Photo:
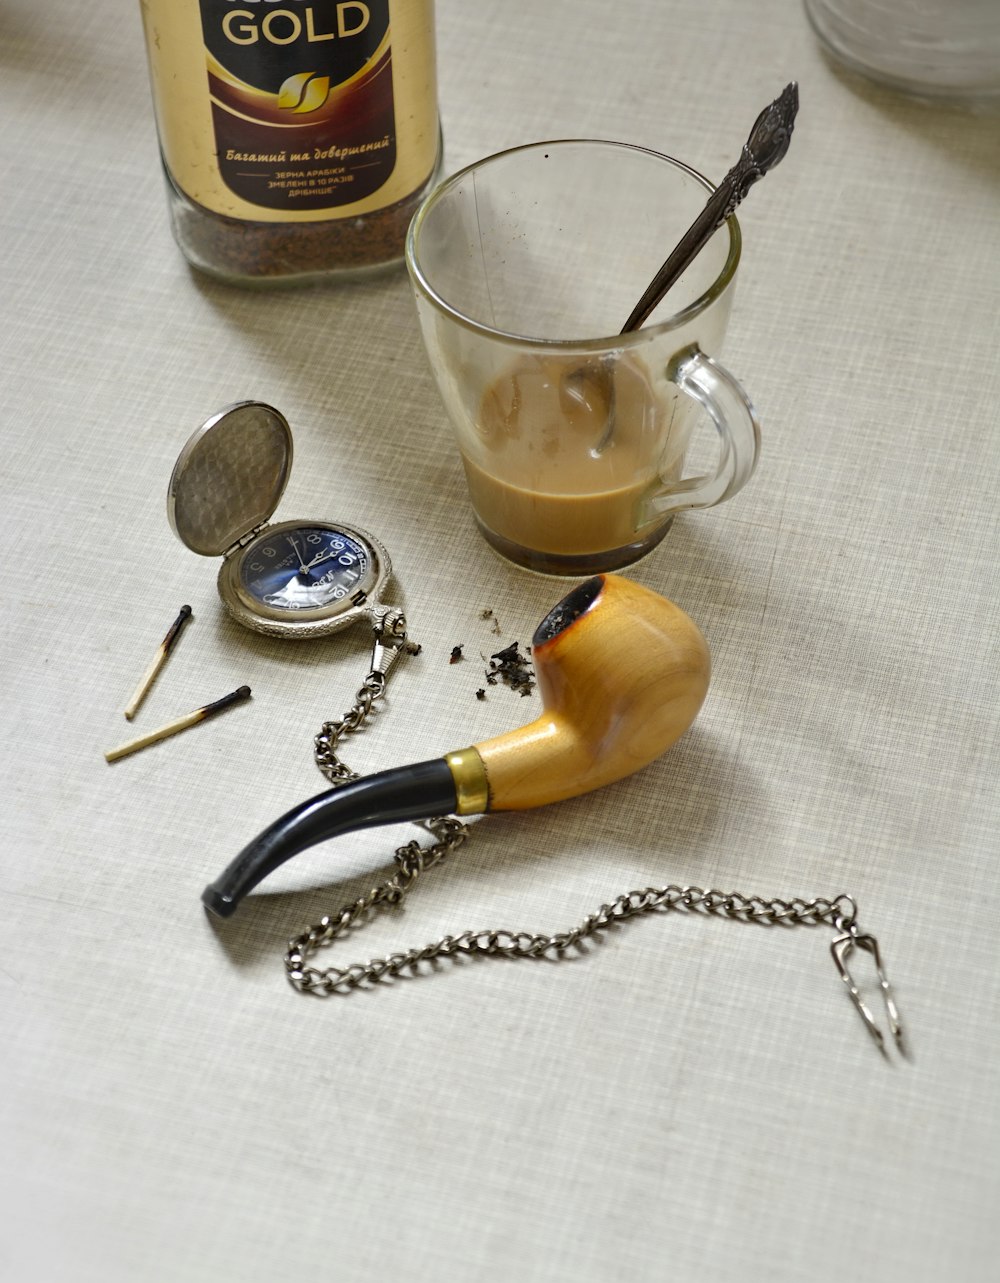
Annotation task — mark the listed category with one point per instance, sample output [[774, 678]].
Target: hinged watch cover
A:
[[230, 477]]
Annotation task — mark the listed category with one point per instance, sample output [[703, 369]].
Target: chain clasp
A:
[[841, 949], [389, 629]]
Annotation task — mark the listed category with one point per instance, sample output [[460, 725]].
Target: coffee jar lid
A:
[[230, 477]]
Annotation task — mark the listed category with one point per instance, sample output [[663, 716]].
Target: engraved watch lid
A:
[[229, 477]]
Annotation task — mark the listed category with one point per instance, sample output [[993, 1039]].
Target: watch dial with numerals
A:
[[304, 567]]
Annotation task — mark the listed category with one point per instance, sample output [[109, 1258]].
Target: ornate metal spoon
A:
[[766, 146], [769, 140]]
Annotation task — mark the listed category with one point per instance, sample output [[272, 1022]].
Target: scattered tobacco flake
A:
[[481, 693], [512, 668], [488, 614], [456, 655]]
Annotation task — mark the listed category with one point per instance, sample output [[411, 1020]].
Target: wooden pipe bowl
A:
[[620, 683]]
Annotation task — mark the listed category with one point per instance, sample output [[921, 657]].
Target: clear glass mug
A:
[[524, 267]]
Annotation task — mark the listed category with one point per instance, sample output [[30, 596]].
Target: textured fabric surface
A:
[[689, 1099]]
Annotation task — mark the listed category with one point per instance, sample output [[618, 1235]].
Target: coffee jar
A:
[[297, 136]]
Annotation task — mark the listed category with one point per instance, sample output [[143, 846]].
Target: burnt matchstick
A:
[[181, 724], [166, 646]]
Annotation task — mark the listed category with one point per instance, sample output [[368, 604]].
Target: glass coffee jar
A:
[[298, 136]]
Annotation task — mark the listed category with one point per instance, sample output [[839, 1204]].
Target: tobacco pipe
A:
[[622, 673]]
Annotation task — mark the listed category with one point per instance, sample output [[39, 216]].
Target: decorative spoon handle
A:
[[767, 144]]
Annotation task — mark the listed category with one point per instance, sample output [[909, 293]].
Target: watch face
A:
[[293, 568]]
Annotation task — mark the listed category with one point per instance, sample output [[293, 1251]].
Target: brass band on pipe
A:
[[472, 788]]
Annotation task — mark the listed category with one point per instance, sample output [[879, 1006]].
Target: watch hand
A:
[[322, 556], [295, 548]]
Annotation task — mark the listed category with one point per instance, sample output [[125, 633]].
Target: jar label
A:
[[278, 110], [302, 101]]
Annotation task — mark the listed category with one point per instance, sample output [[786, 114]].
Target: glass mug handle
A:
[[735, 420]]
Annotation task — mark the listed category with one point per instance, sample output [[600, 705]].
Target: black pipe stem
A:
[[404, 793]]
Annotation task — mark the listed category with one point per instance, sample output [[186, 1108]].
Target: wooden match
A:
[[166, 646], [181, 724]]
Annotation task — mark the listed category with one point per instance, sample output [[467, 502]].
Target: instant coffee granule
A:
[[238, 249]]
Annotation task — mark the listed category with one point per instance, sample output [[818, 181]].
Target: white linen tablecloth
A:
[[691, 1098]]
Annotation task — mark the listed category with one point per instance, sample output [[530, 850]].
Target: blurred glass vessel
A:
[[943, 49]]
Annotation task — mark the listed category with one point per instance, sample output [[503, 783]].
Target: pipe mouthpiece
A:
[[405, 793]]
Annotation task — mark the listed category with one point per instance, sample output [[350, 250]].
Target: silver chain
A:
[[325, 744], [412, 860], [839, 913], [389, 631]]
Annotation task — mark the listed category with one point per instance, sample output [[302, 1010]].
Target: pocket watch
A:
[[296, 579]]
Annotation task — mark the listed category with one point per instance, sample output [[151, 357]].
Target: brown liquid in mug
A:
[[536, 479]]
